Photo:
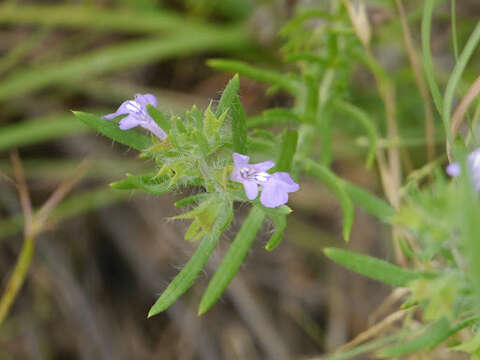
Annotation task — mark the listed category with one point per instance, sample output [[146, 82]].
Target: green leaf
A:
[[197, 117], [212, 123], [239, 127], [274, 116], [190, 199], [433, 335], [455, 76], [232, 260], [364, 119], [189, 273], [228, 96], [147, 183], [159, 117], [368, 347], [373, 268], [337, 186], [362, 198], [280, 222], [370, 203], [110, 129], [287, 151], [427, 54], [278, 79]]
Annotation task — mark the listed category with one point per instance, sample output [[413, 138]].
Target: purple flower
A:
[[275, 186], [473, 164], [138, 115], [275, 191]]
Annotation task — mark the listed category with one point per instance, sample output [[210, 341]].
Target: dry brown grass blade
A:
[[22, 189], [42, 215], [385, 306], [417, 72], [33, 225], [374, 330], [460, 111]]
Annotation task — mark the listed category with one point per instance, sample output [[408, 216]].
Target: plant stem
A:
[[18, 276]]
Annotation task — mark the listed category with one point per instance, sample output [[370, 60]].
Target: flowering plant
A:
[[434, 228]]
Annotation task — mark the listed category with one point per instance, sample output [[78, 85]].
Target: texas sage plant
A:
[[224, 158]]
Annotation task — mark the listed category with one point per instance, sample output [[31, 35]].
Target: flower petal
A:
[[251, 189], [273, 194], [155, 129], [453, 169], [263, 166], [128, 122], [122, 110], [240, 160], [147, 99], [287, 182]]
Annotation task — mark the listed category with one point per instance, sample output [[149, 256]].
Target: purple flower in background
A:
[[473, 164], [275, 186], [138, 115]]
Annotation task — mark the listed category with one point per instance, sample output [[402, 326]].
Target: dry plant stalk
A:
[[391, 170], [34, 224], [460, 111], [417, 72], [375, 329]]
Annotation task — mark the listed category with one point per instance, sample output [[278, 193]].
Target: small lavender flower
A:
[[275, 191], [275, 186], [473, 164], [138, 115]]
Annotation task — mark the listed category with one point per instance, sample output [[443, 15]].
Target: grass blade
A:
[[117, 57], [39, 130]]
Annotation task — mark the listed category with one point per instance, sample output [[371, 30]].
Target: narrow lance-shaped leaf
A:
[[239, 127], [367, 123], [159, 117], [337, 186], [190, 199], [287, 151], [433, 335], [147, 183], [232, 260], [367, 201], [280, 222], [228, 96], [374, 268], [189, 273], [273, 116], [110, 129], [280, 80]]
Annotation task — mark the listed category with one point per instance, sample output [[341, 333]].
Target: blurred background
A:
[[108, 254]]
